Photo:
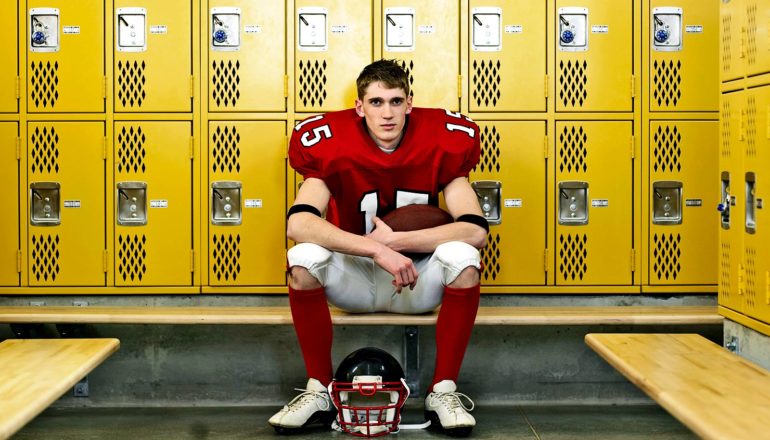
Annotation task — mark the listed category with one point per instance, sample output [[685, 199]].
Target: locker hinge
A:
[[192, 87], [633, 147], [286, 86], [459, 86], [192, 260], [633, 86], [104, 148], [286, 141], [545, 147], [633, 260], [192, 147], [741, 118], [546, 259], [18, 87], [18, 148], [18, 261], [104, 87], [545, 86], [105, 258]]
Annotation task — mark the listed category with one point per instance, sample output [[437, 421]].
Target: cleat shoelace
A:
[[452, 401], [308, 396]]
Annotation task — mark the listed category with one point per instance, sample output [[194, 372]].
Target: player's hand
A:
[[401, 267], [382, 233]]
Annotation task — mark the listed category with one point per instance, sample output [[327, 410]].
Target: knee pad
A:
[[454, 257], [312, 257]]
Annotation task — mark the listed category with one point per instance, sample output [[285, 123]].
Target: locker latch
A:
[[311, 29], [667, 29], [399, 29], [573, 203], [489, 193], [751, 203], [131, 29], [573, 29], [45, 208], [44, 30], [667, 202], [132, 203], [226, 203], [487, 29], [225, 29], [726, 201]]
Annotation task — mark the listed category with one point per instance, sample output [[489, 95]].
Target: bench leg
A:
[[412, 359]]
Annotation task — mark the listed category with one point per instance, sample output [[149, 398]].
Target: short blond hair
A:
[[388, 72]]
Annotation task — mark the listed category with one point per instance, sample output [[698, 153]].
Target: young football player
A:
[[358, 165]]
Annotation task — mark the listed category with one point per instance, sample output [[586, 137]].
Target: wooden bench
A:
[[488, 315], [36, 372], [715, 393]]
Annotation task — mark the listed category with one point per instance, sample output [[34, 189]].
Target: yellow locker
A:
[[594, 55], [594, 207], [153, 56], [755, 193], [684, 67], [153, 198], [732, 144], [9, 68], [731, 45], [247, 203], [239, 79], [507, 65], [757, 37], [683, 227], [509, 180], [9, 223], [65, 56], [333, 43], [425, 38], [66, 176]]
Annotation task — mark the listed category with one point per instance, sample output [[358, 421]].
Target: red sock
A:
[[453, 330], [313, 324]]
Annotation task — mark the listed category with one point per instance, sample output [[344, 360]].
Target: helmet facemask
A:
[[367, 406]]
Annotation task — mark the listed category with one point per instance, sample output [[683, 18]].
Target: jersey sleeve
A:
[[302, 159], [473, 152], [461, 140]]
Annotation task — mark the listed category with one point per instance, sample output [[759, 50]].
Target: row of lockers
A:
[[745, 39], [587, 54], [94, 212]]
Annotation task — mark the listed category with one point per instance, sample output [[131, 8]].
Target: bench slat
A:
[[36, 372], [488, 315], [713, 392]]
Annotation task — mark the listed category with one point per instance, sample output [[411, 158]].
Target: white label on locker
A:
[[73, 30], [253, 203], [600, 29], [339, 29], [600, 203], [252, 29], [512, 203], [158, 203], [693, 202], [159, 29], [694, 29], [514, 29], [427, 29], [72, 203]]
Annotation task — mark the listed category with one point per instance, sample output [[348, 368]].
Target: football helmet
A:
[[369, 391]]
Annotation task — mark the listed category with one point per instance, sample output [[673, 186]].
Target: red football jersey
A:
[[437, 147]]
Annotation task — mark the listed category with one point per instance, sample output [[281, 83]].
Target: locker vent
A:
[[131, 83], [131, 150], [312, 83], [226, 152], [751, 276], [573, 254], [225, 83], [751, 33], [727, 20], [131, 255], [226, 254], [486, 77], [45, 82], [751, 128], [490, 257], [573, 154], [666, 149], [573, 80], [666, 255], [724, 118], [666, 81], [45, 257], [724, 273], [409, 68], [45, 150], [490, 150]]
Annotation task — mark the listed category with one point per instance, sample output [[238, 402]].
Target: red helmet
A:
[[369, 392]]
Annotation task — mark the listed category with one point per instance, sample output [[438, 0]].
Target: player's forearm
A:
[[309, 228], [426, 240]]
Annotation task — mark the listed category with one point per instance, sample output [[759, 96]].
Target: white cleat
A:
[[313, 405], [445, 409]]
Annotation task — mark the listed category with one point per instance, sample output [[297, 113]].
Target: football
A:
[[416, 217]]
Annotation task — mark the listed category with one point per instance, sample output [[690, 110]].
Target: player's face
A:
[[385, 112]]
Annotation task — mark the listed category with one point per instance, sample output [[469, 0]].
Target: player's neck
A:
[[392, 145]]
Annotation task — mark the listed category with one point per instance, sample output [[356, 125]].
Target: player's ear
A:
[[408, 104], [360, 108]]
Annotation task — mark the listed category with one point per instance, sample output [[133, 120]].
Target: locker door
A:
[[153, 196], [9, 223], [66, 176], [683, 227], [153, 56], [594, 175], [425, 37], [65, 56], [757, 37], [732, 50], [512, 173], [247, 180], [239, 80], [9, 52]]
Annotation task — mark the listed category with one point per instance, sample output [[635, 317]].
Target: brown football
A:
[[416, 217]]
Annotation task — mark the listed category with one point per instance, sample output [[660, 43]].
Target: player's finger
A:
[[398, 282]]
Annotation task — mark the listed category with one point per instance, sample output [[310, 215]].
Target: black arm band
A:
[[475, 219], [303, 208]]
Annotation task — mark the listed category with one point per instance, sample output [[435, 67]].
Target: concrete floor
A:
[[230, 423]]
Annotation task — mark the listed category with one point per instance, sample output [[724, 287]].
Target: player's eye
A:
[[375, 102], [396, 101]]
